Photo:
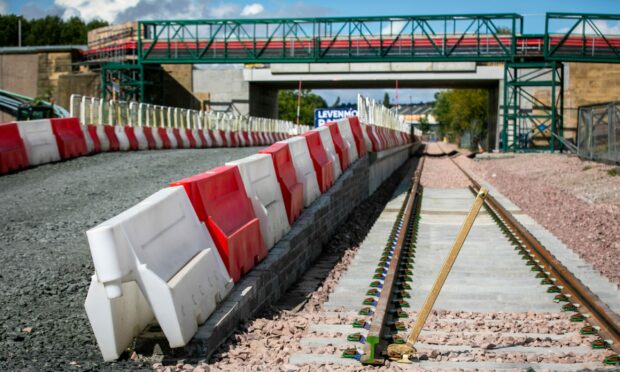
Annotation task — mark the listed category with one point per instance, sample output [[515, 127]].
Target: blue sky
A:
[[117, 11], [121, 10]]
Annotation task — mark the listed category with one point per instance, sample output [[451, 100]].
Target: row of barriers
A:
[[34, 142], [128, 127], [174, 256], [96, 111]]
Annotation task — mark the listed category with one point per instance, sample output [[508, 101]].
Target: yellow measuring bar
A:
[[401, 352]]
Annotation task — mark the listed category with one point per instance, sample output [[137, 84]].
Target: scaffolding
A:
[[533, 106]]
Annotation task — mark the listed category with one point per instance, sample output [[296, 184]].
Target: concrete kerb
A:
[[287, 261]]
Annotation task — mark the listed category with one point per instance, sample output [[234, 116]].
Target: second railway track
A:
[[507, 304]]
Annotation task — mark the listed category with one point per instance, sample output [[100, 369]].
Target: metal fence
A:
[[598, 132]]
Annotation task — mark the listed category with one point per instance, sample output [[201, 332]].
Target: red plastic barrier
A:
[[131, 136], [13, 154], [163, 134], [225, 139], [177, 136], [395, 140], [341, 149], [255, 139], [190, 137], [246, 138], [322, 165], [203, 140], [109, 132], [373, 139], [356, 128], [148, 134], [233, 141], [382, 138], [92, 132], [211, 135], [69, 137], [292, 191], [221, 202]]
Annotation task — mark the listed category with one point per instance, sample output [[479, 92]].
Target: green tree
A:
[[287, 106], [461, 110], [425, 126], [51, 30], [386, 100]]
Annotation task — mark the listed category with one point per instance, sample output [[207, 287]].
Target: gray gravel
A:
[[46, 265]]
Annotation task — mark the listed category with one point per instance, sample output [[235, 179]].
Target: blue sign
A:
[[323, 116]]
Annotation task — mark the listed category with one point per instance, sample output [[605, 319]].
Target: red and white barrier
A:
[[328, 144], [347, 137], [161, 246], [323, 166], [220, 201], [69, 137], [340, 145], [292, 190], [304, 170], [261, 184], [13, 155], [39, 141]]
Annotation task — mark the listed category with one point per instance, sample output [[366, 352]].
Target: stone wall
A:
[[589, 83]]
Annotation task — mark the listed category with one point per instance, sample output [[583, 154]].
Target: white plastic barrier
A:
[[219, 140], [304, 168], [208, 138], [90, 145], [143, 144], [162, 246], [103, 138], [39, 141], [328, 144], [198, 139], [347, 136], [159, 143], [172, 138], [367, 140], [261, 185], [123, 141], [184, 139]]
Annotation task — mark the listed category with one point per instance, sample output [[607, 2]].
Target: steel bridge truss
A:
[[582, 37], [533, 106], [479, 37], [533, 63]]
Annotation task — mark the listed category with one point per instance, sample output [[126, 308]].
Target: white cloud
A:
[[224, 10], [393, 28], [4, 7], [605, 27], [107, 10], [252, 10]]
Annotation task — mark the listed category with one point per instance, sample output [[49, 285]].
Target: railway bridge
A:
[[525, 72]]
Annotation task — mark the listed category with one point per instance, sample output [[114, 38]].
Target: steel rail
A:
[[375, 343], [598, 312]]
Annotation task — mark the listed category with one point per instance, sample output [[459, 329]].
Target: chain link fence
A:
[[598, 132]]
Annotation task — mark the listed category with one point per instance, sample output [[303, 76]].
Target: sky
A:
[[123, 10], [116, 11]]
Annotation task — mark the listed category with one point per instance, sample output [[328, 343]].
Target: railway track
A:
[[508, 302]]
